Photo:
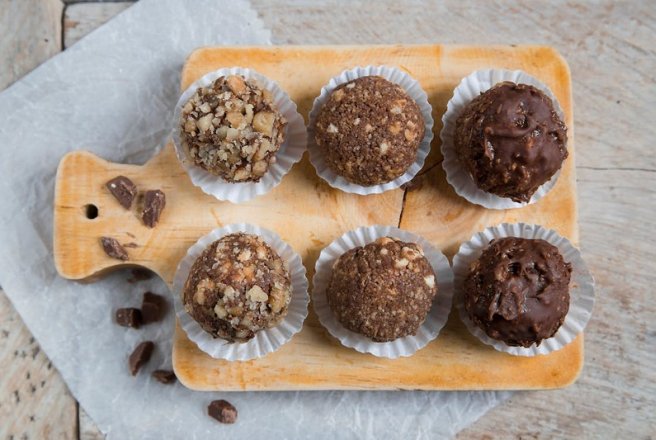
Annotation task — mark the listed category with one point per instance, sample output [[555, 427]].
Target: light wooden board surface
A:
[[609, 46], [309, 214]]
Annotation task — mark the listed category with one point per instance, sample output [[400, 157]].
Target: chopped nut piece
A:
[[236, 84], [263, 122]]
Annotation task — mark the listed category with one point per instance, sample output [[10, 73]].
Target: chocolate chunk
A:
[[123, 189], [153, 307], [154, 203], [223, 411], [140, 275], [140, 356], [128, 317], [113, 248], [164, 376]]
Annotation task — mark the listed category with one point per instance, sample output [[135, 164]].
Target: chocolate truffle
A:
[[232, 129], [236, 287], [369, 130], [383, 290], [511, 140], [517, 291]]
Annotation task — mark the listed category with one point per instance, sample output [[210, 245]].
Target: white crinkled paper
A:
[[581, 288], [458, 177], [401, 347], [113, 93], [291, 150], [266, 340]]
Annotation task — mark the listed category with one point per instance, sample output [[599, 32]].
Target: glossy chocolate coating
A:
[[517, 291], [511, 140]]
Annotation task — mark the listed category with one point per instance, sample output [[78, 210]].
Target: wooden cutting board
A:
[[309, 214]]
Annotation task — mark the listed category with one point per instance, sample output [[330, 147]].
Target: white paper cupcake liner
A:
[[291, 151], [266, 340], [458, 177], [401, 347], [412, 88], [581, 288]]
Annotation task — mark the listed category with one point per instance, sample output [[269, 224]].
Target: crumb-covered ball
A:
[[511, 140], [518, 290], [383, 290], [232, 129], [236, 287], [369, 130]]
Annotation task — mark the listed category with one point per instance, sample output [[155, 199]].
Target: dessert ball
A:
[[517, 291], [383, 290], [232, 129], [511, 140], [236, 287], [369, 130]]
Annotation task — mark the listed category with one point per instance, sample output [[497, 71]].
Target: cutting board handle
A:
[[84, 211]]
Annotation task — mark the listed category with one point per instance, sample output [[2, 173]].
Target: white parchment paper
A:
[[113, 93]]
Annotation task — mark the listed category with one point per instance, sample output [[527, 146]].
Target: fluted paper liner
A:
[[581, 287], [291, 150], [412, 88], [456, 174], [401, 347], [266, 340]]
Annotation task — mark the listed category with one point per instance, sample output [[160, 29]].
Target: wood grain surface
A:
[[609, 47]]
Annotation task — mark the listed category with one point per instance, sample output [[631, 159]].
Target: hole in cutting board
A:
[[91, 211]]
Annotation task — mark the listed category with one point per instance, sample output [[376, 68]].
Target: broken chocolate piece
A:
[[128, 317], [123, 189], [164, 376], [153, 307], [140, 275], [223, 411], [113, 248], [154, 203], [140, 356]]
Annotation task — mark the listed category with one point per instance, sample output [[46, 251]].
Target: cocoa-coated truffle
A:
[[369, 130], [383, 290], [517, 291], [511, 140], [232, 129], [236, 287]]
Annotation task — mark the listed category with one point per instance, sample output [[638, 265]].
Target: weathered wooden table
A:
[[611, 52]]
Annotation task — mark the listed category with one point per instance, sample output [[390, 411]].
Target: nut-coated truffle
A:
[[511, 140], [383, 290], [518, 290], [236, 287], [232, 129], [369, 130]]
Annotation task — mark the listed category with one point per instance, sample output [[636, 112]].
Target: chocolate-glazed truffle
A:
[[232, 129], [517, 291], [369, 130], [511, 140], [236, 287], [383, 290]]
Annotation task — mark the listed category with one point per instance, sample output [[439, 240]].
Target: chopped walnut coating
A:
[[383, 290], [238, 286], [232, 129]]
